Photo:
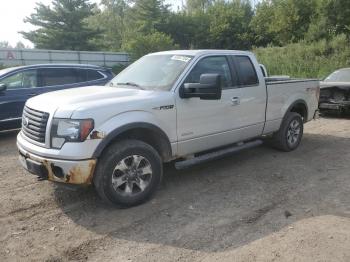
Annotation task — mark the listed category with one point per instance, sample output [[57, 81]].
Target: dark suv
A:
[[18, 84]]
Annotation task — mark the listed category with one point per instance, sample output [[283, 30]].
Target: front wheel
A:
[[291, 131], [128, 173]]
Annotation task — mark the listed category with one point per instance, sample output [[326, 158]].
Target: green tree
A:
[[110, 21], [141, 44], [319, 25], [146, 16], [261, 24], [193, 6], [144, 21], [292, 19], [200, 30], [338, 16], [188, 31], [179, 26], [229, 24], [281, 22], [62, 26]]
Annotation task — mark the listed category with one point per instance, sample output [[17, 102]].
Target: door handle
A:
[[32, 94], [235, 101]]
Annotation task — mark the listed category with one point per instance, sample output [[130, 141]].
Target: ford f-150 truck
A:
[[189, 106]]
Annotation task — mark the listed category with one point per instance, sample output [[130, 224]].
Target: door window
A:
[[25, 79], [246, 71], [212, 65], [82, 75], [59, 76], [93, 75]]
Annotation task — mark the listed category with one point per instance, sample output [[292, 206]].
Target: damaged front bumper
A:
[[345, 106], [78, 172]]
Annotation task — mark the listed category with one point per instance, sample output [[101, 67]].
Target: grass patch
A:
[[304, 59]]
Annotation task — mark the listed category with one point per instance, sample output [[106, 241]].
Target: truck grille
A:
[[34, 124]]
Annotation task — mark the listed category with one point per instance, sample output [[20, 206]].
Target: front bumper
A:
[[334, 106], [65, 171]]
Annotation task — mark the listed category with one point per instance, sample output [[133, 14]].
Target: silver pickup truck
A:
[[189, 106]]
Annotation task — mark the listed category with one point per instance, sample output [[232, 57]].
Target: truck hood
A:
[[63, 103]]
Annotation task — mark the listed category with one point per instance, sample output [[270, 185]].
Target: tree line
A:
[[143, 26]]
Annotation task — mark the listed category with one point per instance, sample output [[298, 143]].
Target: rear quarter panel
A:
[[283, 94]]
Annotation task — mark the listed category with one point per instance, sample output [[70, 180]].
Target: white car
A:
[[166, 106]]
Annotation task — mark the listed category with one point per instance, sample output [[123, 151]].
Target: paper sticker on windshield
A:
[[181, 58]]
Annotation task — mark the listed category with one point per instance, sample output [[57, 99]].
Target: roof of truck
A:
[[201, 52]]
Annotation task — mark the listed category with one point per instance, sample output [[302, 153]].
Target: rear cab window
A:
[[246, 71]]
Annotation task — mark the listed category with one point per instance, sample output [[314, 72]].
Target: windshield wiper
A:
[[128, 84]]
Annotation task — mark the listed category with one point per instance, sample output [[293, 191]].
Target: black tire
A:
[[281, 139], [121, 154]]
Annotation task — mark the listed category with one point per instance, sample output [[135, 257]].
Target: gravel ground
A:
[[258, 205]]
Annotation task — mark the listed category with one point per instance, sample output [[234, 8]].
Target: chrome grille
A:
[[34, 124]]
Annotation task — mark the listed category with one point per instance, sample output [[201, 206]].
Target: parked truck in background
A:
[[188, 106]]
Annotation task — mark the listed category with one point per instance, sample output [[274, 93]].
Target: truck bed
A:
[[283, 92]]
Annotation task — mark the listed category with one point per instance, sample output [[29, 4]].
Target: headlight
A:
[[70, 130]]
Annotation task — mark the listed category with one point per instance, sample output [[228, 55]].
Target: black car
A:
[[18, 84]]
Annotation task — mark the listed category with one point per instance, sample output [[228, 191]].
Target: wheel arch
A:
[[299, 106], [146, 132]]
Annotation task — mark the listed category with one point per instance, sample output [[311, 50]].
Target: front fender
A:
[[165, 127]]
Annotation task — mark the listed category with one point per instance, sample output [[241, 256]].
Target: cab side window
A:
[[212, 65], [25, 79], [246, 71]]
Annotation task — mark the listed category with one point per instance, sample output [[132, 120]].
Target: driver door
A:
[[19, 88], [206, 124]]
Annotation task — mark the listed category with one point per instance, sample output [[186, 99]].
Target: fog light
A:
[[57, 171]]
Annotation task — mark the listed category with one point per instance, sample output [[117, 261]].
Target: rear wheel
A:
[[128, 173], [291, 131]]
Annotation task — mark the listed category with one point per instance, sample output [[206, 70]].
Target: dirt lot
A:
[[259, 205]]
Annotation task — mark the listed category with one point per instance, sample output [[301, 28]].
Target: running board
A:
[[216, 155]]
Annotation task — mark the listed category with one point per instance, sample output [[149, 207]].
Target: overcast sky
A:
[[14, 11]]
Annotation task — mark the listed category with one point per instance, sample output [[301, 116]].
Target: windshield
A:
[[152, 72], [342, 75]]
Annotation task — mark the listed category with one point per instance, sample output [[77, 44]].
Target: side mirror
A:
[[208, 88], [3, 87]]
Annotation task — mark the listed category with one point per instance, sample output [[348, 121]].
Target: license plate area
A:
[[33, 167]]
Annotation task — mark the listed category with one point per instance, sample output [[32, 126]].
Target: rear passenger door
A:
[[252, 96], [52, 79]]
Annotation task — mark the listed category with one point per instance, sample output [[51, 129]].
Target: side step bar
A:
[[216, 155]]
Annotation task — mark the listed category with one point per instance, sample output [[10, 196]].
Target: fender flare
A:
[[122, 129], [299, 101]]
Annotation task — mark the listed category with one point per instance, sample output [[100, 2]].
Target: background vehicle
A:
[[20, 83], [335, 92], [192, 105]]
